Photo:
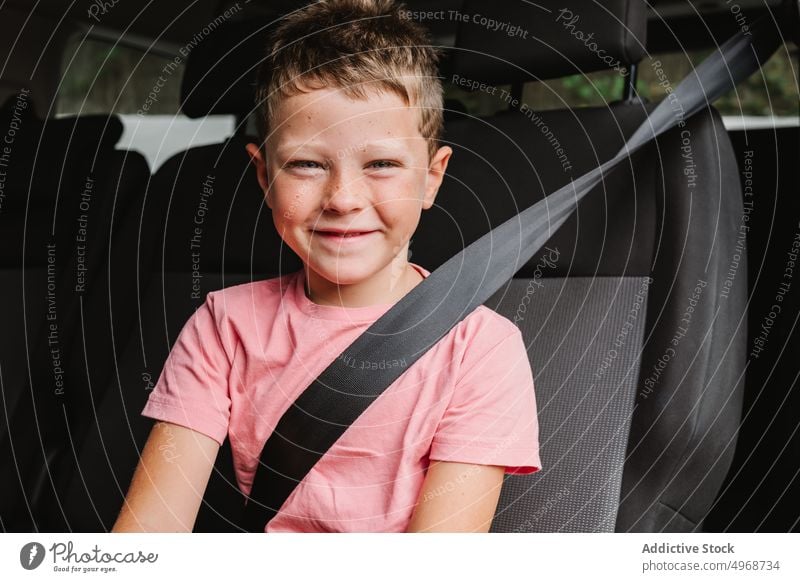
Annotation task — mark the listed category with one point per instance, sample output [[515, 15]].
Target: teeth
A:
[[345, 235]]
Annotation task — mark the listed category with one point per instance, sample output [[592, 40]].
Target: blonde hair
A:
[[356, 46]]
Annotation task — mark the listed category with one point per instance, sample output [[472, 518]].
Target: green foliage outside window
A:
[[772, 91], [100, 77]]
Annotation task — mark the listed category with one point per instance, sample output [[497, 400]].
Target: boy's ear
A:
[[257, 157], [436, 170]]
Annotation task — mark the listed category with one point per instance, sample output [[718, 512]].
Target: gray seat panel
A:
[[584, 338]]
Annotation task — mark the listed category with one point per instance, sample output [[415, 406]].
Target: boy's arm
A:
[[457, 497], [169, 482]]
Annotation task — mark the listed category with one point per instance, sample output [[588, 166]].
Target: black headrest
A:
[[50, 165], [87, 133], [221, 70], [20, 105], [508, 42]]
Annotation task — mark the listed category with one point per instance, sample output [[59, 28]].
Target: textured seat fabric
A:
[[585, 336]]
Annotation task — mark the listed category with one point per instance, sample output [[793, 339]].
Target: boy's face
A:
[[336, 165]]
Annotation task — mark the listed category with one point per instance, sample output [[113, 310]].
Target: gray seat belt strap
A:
[[344, 390]]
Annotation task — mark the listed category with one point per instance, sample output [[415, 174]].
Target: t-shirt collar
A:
[[296, 294]]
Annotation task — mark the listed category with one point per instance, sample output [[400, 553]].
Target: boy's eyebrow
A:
[[389, 144]]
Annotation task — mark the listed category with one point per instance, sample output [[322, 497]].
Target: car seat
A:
[[65, 190], [637, 331]]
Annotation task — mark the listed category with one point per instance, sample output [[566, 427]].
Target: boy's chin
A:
[[346, 272]]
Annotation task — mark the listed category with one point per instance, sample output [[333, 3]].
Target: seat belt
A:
[[345, 389]]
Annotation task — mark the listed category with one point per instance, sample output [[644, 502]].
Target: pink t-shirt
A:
[[250, 350]]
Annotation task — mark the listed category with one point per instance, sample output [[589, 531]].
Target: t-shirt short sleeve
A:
[[192, 390], [491, 419]]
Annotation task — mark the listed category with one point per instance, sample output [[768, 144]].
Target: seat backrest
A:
[[664, 404], [767, 158], [63, 184]]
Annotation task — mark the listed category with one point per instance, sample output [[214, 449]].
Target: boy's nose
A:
[[343, 194]]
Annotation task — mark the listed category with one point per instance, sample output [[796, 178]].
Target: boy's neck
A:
[[386, 286]]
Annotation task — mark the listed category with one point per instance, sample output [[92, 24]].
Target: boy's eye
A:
[[381, 164], [312, 165], [302, 164]]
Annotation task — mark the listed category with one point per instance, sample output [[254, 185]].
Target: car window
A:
[[98, 76], [143, 89], [770, 94], [773, 96]]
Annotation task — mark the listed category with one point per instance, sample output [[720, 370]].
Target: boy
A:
[[352, 114]]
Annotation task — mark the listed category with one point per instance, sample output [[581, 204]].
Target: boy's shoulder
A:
[[261, 285], [245, 295], [487, 323]]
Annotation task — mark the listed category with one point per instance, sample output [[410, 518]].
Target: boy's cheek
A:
[[288, 206]]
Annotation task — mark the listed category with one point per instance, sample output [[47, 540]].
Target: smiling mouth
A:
[[343, 236]]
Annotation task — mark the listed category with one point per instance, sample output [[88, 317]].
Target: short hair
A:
[[357, 46]]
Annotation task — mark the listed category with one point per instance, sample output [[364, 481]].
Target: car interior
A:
[[666, 380]]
